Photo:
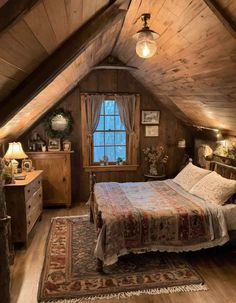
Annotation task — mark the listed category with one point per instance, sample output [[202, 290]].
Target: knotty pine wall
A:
[[170, 129]]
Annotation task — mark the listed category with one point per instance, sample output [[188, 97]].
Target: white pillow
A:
[[214, 188], [190, 175]]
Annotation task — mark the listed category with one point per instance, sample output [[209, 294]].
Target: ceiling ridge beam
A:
[[12, 10], [222, 17], [60, 59]]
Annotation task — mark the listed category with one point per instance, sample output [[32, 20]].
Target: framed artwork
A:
[[151, 131], [66, 145], [54, 144], [150, 117], [26, 165]]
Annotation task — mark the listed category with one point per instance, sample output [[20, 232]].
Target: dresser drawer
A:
[[33, 215], [34, 201], [31, 188]]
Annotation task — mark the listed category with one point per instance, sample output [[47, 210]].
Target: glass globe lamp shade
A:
[[146, 43]]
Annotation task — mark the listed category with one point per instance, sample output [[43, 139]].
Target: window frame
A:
[[107, 131], [132, 141]]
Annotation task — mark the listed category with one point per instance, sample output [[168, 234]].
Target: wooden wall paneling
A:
[[13, 10], [37, 20], [14, 53], [23, 34], [56, 12], [74, 11], [171, 130]]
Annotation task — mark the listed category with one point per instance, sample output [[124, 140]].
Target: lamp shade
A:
[[146, 39], [15, 151], [146, 43]]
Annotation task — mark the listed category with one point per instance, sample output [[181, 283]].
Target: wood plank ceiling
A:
[[193, 72]]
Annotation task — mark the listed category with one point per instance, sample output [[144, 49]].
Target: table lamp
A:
[[15, 151]]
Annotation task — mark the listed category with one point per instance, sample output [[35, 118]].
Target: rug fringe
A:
[[123, 295]]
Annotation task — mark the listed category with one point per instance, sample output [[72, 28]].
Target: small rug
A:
[[69, 274]]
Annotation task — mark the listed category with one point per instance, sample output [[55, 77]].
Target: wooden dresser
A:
[[56, 177], [24, 205]]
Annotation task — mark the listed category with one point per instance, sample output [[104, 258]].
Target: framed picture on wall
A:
[[54, 144], [150, 117], [151, 131]]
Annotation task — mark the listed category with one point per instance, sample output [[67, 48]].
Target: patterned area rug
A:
[[69, 274]]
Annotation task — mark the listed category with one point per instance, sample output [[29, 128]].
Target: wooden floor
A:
[[217, 267]]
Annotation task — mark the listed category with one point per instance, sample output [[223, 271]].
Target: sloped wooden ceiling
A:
[[95, 50], [193, 72]]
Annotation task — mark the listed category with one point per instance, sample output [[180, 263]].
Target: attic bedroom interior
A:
[[118, 151]]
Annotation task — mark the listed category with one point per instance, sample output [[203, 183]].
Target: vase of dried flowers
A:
[[156, 159]]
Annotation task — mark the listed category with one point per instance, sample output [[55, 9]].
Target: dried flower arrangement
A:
[[156, 159]]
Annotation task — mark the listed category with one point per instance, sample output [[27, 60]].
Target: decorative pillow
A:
[[214, 188], [190, 175]]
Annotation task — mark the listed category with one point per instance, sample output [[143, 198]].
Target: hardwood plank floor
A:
[[217, 267]]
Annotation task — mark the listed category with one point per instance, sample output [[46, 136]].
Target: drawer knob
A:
[[28, 222], [39, 181], [64, 179], [28, 190], [29, 206], [40, 195]]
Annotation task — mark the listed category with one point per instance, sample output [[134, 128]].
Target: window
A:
[[109, 139]]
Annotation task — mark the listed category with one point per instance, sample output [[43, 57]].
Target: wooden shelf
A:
[[100, 168]]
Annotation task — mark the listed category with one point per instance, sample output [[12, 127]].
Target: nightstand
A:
[[154, 178], [24, 204]]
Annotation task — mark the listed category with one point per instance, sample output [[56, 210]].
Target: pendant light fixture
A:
[[146, 39]]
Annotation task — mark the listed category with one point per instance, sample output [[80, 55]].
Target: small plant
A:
[[119, 161]]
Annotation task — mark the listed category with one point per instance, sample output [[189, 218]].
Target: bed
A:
[[157, 216]]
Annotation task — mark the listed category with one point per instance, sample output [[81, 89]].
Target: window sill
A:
[[100, 168]]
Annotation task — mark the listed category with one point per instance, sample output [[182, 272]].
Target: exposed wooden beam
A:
[[60, 59], [12, 10], [222, 16]]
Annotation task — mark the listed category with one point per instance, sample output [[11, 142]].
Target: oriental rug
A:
[[69, 270]]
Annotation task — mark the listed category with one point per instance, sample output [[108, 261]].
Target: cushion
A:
[[190, 175], [214, 188]]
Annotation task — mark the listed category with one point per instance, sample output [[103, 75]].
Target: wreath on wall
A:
[[56, 129]]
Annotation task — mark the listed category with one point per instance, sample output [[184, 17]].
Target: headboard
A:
[[224, 170]]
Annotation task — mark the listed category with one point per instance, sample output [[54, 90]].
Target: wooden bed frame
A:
[[224, 170]]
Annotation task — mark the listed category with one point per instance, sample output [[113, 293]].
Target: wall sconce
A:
[[146, 39], [182, 143]]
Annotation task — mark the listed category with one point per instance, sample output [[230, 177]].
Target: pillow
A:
[[214, 188], [190, 175]]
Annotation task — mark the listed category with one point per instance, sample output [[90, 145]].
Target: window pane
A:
[[98, 153], [121, 152], [109, 122], [101, 123], [119, 124], [120, 138], [98, 138], [116, 109], [110, 152], [110, 138], [102, 109], [109, 107]]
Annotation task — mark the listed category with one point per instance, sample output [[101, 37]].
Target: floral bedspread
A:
[[158, 215]]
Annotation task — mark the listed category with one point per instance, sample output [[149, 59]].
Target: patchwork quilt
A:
[[158, 215]]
